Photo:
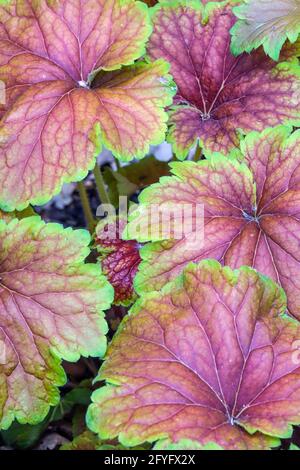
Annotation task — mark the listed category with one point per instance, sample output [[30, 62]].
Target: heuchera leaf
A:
[[59, 109], [50, 308], [120, 259], [251, 214], [90, 441], [265, 22], [219, 96], [85, 441], [209, 358]]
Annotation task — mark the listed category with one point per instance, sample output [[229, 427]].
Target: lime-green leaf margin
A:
[[246, 41], [44, 245]]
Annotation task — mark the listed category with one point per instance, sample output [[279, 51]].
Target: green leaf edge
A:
[[177, 283], [82, 237], [240, 12], [98, 139], [181, 153], [185, 444], [170, 91]]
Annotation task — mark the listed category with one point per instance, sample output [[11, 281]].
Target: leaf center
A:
[[205, 116], [251, 217], [83, 84]]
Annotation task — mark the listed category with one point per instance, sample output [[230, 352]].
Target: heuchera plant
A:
[[208, 356]]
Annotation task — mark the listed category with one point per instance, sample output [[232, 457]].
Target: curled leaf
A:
[[90, 441], [85, 441], [120, 259], [51, 307], [265, 22], [208, 359], [132, 178], [220, 97]]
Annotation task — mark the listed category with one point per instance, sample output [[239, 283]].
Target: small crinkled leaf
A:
[[220, 96], [85, 441], [51, 306], [209, 358], [265, 22], [294, 447], [70, 88], [120, 259], [90, 441], [251, 213], [77, 396]]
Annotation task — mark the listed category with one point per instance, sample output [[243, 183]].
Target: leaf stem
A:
[[100, 185], [88, 215], [198, 153], [117, 164]]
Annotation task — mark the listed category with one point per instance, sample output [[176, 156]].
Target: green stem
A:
[[100, 185], [118, 164], [90, 221], [198, 153]]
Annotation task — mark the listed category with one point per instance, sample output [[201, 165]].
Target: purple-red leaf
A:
[[120, 259], [251, 214], [207, 359], [67, 94], [219, 96]]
